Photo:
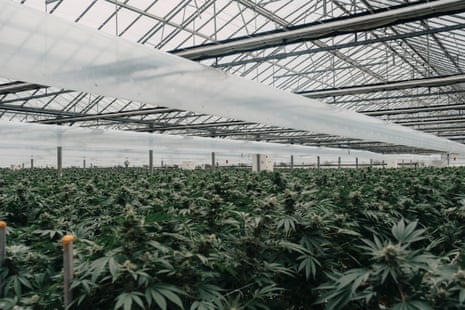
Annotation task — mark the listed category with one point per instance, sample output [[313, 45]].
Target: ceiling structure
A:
[[399, 61]]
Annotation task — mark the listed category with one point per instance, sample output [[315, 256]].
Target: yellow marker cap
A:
[[67, 239], [2, 224]]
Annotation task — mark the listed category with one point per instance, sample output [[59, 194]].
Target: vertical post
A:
[[68, 268], [356, 162], [150, 160], [448, 159], [258, 162], [382, 163], [213, 160], [339, 162], [292, 161], [318, 162], [59, 161], [371, 163], [32, 163], [84, 163], [2, 251], [22, 165]]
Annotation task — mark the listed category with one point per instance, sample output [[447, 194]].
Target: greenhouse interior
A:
[[232, 154]]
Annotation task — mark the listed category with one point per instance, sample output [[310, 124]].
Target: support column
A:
[[84, 163], [258, 162], [371, 163], [292, 161], [448, 159], [339, 162], [213, 160], [68, 268], [59, 161], [150, 160], [356, 162], [2, 251], [318, 162], [32, 163]]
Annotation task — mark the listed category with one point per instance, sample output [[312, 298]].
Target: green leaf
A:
[[412, 305], [172, 297], [294, 247], [125, 300], [309, 264], [159, 299], [202, 305], [25, 282], [114, 268], [348, 232], [97, 267], [7, 303]]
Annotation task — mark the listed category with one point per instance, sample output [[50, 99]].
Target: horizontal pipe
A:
[[295, 34], [398, 85], [410, 110]]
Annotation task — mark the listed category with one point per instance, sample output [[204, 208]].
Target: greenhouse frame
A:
[[397, 62]]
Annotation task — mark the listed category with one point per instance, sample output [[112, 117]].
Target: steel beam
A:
[[397, 85], [264, 12], [66, 116], [411, 110], [432, 121], [355, 23], [196, 126], [247, 132], [157, 18], [18, 86], [24, 109], [92, 117], [300, 52], [397, 97], [443, 129]]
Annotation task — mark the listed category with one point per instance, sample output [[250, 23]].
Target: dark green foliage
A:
[[231, 239]]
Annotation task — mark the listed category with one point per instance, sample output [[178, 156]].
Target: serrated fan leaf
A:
[[348, 232], [138, 301], [125, 300], [397, 229], [412, 305], [97, 267], [174, 298], [114, 268], [293, 247], [158, 298], [309, 264]]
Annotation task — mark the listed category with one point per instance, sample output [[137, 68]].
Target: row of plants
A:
[[232, 239]]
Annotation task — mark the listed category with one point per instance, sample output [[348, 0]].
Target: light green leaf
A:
[[172, 297], [114, 268], [159, 299]]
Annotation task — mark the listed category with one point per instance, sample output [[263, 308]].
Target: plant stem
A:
[[402, 295]]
